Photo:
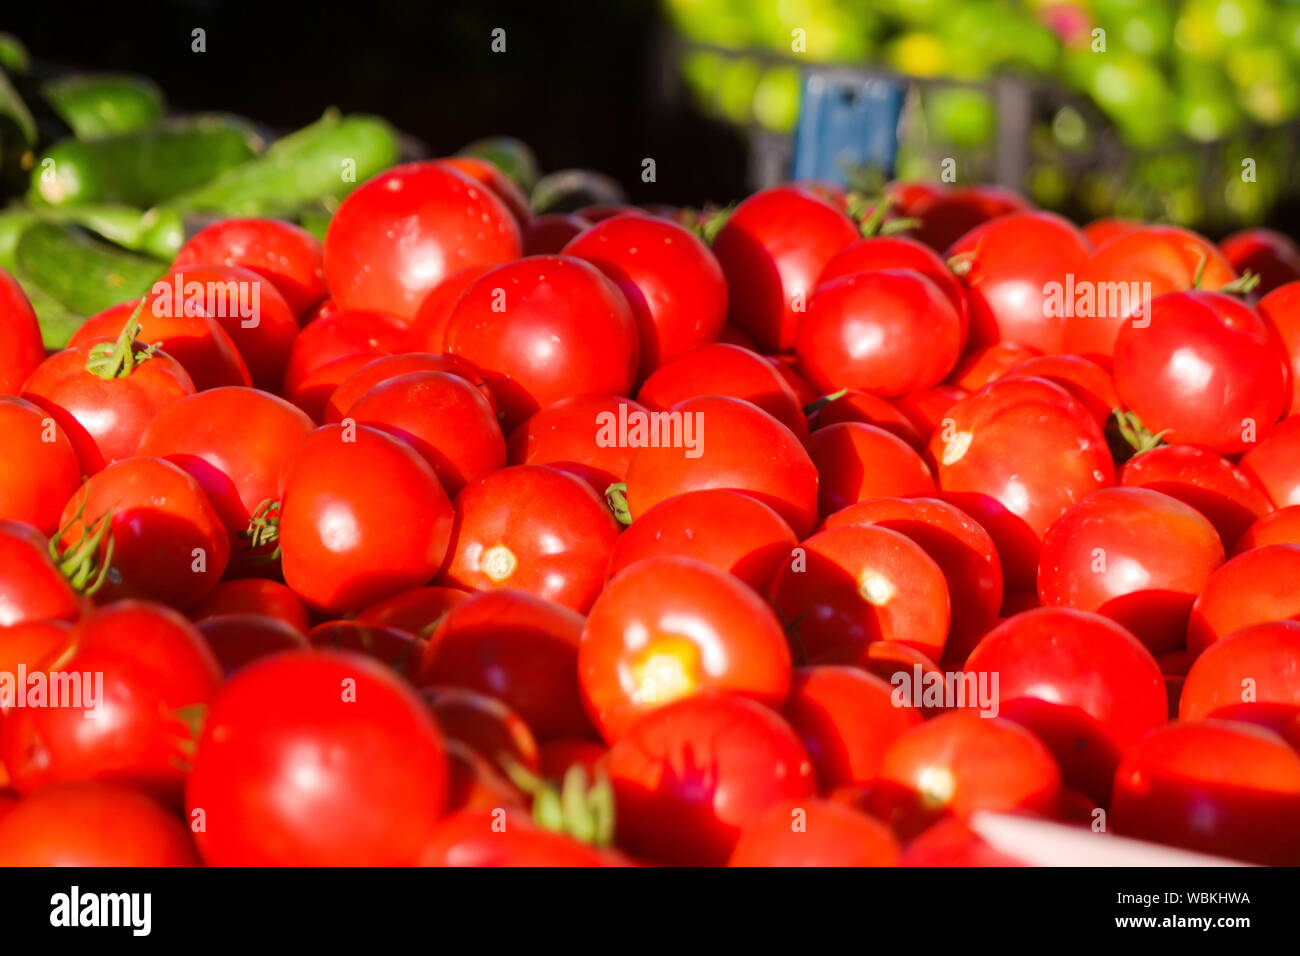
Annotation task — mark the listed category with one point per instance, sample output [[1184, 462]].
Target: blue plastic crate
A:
[[847, 122]]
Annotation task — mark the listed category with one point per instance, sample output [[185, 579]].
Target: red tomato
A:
[[857, 462], [1214, 786], [485, 724], [1273, 257], [431, 318], [443, 417], [398, 235], [852, 405], [948, 214], [362, 517], [1211, 484], [548, 235], [721, 369], [1015, 456], [21, 349], [519, 648], [846, 718], [983, 365], [1274, 464], [474, 784], [237, 444], [31, 587], [500, 837], [239, 639], [287, 255], [1101, 231], [382, 369], [886, 332], [958, 763], [491, 176], [505, 537], [312, 392], [1277, 527], [1084, 685], [419, 610], [960, 547], [344, 334], [401, 650], [1089, 383], [543, 329], [671, 279], [725, 529], [926, 409], [851, 585], [815, 833], [1015, 270], [567, 436], [155, 674], [353, 773], [1130, 271], [950, 842], [736, 445], [193, 338], [103, 402], [253, 596], [1251, 588], [42, 471], [93, 825], [1281, 308], [559, 754], [1206, 371], [167, 541], [1251, 675], [1133, 555], [896, 252], [772, 249], [689, 776], [34, 644], [667, 628]]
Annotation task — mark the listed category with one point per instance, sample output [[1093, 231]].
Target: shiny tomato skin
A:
[[430, 322], [239, 639], [846, 718], [728, 530], [237, 444], [532, 528], [1281, 308], [31, 586], [958, 763], [689, 776], [1252, 588], [346, 333], [858, 406], [984, 364], [1252, 675], [103, 418], [548, 234], [288, 256], [857, 462], [1213, 786], [960, 547], [815, 833], [401, 650], [1274, 464], [1272, 256], [738, 446], [1012, 263], [476, 838], [544, 329], [671, 280], [395, 237], [1101, 231], [951, 842], [21, 349], [385, 367], [491, 176], [355, 773], [484, 723], [42, 465], [35, 643], [948, 214], [1089, 383], [519, 648], [721, 369], [1206, 371], [666, 628], [854, 585], [362, 517], [443, 417], [1133, 555], [565, 436], [1015, 456], [419, 610], [887, 332], [772, 249], [927, 408], [1167, 257], [93, 825], [1277, 527], [253, 596], [156, 671], [312, 392], [1083, 684], [168, 542]]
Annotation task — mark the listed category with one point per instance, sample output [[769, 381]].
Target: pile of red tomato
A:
[[356, 578]]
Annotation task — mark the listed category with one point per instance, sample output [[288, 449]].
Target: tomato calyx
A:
[[962, 263], [616, 498], [579, 808], [187, 743], [117, 359], [707, 222], [1242, 285], [264, 529], [1127, 436], [820, 403], [869, 213], [80, 562]]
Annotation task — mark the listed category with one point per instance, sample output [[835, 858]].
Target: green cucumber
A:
[[145, 167], [81, 273], [13, 55], [12, 223], [326, 159], [157, 232], [58, 324], [96, 105]]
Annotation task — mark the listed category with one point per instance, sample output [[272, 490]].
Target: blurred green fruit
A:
[[1208, 28], [961, 116], [776, 98], [736, 89]]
